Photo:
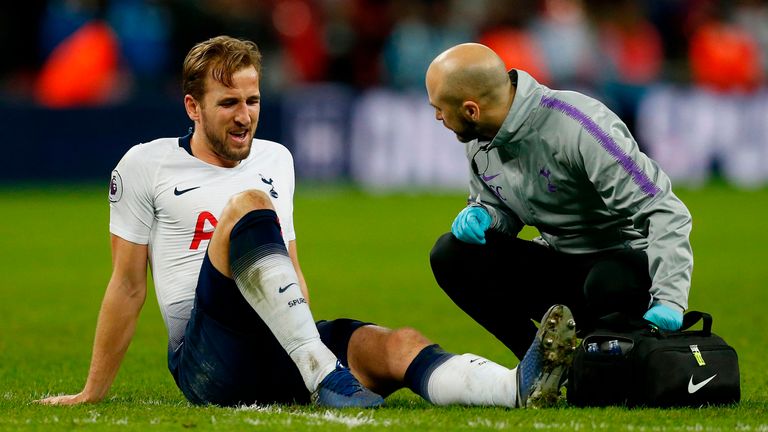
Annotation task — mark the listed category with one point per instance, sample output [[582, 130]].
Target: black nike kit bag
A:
[[633, 363]]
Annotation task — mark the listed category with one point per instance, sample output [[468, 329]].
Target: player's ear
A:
[[470, 110], [193, 107]]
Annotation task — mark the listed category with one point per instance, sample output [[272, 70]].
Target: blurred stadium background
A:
[[83, 80]]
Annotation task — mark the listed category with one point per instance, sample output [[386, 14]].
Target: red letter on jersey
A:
[[200, 233]]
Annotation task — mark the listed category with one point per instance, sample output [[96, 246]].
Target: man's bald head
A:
[[471, 91], [468, 71]]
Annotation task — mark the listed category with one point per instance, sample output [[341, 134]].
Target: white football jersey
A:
[[162, 196]]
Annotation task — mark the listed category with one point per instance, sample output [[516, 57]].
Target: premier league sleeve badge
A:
[[115, 187]]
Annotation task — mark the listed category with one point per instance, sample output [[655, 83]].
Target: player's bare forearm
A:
[[295, 259], [302, 283], [115, 327], [114, 331], [116, 324]]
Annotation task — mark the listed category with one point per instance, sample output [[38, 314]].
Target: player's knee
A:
[[251, 199], [244, 202], [406, 342]]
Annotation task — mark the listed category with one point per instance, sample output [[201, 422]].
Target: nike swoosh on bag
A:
[[693, 388], [282, 289], [178, 192]]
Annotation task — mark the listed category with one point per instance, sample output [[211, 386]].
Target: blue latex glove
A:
[[470, 225], [665, 317]]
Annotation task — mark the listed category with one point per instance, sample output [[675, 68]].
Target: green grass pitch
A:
[[364, 256]]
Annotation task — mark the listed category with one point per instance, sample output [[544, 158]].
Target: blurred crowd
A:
[[89, 52], [343, 80]]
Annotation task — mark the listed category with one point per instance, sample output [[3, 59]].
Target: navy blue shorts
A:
[[229, 357]]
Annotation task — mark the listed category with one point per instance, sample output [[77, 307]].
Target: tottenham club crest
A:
[[268, 182], [115, 187]]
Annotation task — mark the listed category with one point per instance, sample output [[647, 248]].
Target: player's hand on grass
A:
[[470, 225], [665, 317], [74, 399]]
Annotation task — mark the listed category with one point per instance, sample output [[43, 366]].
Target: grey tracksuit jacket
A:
[[565, 164]]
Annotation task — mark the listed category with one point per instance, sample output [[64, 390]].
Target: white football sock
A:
[[469, 379], [268, 281]]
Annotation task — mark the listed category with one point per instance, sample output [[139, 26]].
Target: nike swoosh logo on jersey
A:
[[282, 289], [693, 388], [489, 178], [178, 192]]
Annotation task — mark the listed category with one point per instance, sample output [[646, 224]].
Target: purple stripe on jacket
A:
[[606, 141]]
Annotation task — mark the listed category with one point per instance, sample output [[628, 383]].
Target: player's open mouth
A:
[[239, 136]]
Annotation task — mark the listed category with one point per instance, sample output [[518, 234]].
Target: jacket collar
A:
[[527, 97]]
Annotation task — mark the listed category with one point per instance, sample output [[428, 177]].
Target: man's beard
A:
[[465, 138], [220, 148], [468, 132]]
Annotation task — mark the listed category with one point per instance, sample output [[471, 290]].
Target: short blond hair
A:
[[221, 56]]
